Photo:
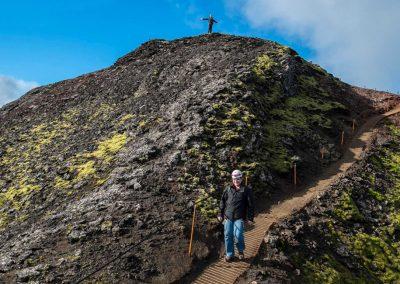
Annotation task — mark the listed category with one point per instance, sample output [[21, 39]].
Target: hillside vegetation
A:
[[348, 235]]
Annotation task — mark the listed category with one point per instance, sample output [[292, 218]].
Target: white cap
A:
[[237, 174]]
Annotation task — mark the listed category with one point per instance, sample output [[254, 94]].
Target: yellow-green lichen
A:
[[263, 64], [61, 183], [103, 111], [84, 170], [85, 165], [3, 220], [106, 225], [194, 151], [327, 270], [380, 254], [107, 148], [347, 210], [16, 195], [159, 120], [208, 205], [143, 123], [126, 118]]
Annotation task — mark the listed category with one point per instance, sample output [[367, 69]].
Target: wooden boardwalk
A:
[[221, 272]]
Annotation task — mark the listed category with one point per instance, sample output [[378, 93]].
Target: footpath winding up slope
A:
[[221, 272]]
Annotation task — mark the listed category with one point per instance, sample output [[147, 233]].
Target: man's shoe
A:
[[241, 256], [228, 258]]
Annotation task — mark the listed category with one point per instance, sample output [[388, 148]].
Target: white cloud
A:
[[11, 88], [356, 40]]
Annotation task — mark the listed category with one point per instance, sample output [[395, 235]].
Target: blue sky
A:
[[44, 41]]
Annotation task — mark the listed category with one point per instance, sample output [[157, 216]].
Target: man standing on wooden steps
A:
[[237, 206]]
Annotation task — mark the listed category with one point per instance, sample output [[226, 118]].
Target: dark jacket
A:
[[237, 204]]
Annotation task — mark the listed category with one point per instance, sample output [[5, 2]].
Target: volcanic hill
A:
[[99, 174]]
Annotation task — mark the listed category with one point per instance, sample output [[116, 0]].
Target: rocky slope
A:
[[112, 161], [351, 234]]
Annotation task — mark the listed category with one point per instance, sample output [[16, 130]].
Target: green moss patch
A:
[[326, 269], [347, 209]]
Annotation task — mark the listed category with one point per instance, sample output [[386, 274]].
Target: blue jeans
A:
[[233, 230]]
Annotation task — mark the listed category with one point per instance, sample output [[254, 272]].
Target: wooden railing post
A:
[[342, 139], [192, 232], [294, 174]]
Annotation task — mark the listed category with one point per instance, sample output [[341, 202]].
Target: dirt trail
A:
[[221, 272]]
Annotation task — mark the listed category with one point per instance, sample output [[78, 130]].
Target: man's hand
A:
[[219, 218], [250, 222]]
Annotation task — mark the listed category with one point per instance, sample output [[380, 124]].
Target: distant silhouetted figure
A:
[[211, 22]]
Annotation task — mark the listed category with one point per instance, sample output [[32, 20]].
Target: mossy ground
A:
[[66, 145], [326, 269], [376, 248]]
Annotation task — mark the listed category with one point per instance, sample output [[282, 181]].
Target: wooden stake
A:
[[323, 151], [192, 232], [294, 174], [354, 124], [342, 139]]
